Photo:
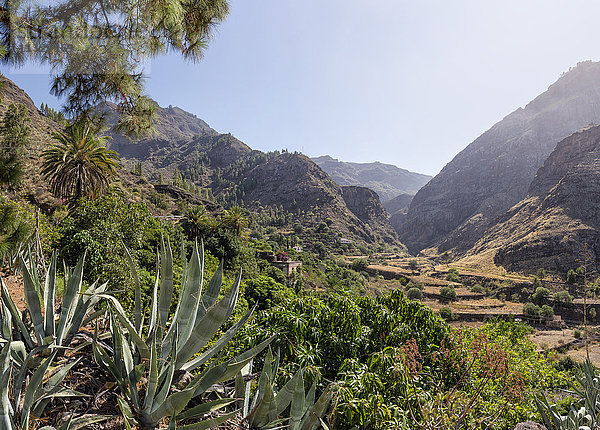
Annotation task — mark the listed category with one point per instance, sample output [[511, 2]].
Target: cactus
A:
[[160, 349]]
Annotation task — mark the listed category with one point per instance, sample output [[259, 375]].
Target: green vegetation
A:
[[15, 133], [453, 276], [79, 165], [448, 293], [563, 297]]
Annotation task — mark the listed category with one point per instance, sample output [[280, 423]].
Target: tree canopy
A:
[[96, 48]]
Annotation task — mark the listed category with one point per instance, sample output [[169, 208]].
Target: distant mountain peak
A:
[[387, 180]]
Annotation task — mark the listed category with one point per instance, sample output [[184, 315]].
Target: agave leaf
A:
[[16, 316], [298, 403], [85, 302], [219, 344], [166, 282], [52, 389], [83, 421], [6, 322], [152, 378], [72, 290], [173, 404], [5, 370], [32, 392], [206, 328], [165, 378], [137, 307], [19, 378], [33, 301], [310, 397], [205, 408], [209, 297], [126, 412], [266, 411], [312, 419], [141, 345], [290, 391], [154, 304], [188, 302], [210, 423], [49, 292], [187, 319], [228, 370]]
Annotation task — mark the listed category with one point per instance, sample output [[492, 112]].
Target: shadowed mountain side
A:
[[494, 172], [387, 180], [298, 184], [549, 228]]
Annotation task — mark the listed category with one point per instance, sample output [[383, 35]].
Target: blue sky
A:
[[404, 82]]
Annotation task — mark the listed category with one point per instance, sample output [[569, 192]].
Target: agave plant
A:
[[585, 415], [269, 405], [162, 349], [46, 328], [32, 398]]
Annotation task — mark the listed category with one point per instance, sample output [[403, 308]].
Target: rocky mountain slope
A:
[[559, 221], [387, 180], [494, 172], [234, 173]]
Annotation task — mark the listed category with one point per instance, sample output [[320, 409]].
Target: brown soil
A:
[[14, 286]]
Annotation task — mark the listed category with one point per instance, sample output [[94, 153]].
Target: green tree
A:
[[236, 220], [196, 222], [79, 165], [15, 132], [102, 44]]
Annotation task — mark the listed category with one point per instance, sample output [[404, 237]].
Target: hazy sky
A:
[[403, 82]]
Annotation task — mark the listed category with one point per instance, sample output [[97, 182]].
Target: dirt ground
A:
[[14, 286]]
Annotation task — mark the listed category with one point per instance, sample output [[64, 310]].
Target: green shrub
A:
[[359, 264], [571, 276], [540, 294], [453, 276], [531, 309], [448, 293], [515, 298], [477, 289], [446, 314], [563, 297], [266, 292], [577, 333], [547, 312], [414, 293]]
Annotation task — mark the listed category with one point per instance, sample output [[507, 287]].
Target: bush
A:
[[477, 289], [359, 264], [563, 297], [414, 294], [412, 284], [266, 292], [447, 314], [540, 294], [547, 312], [515, 298], [532, 310], [577, 333], [571, 276], [412, 264], [453, 276], [448, 293]]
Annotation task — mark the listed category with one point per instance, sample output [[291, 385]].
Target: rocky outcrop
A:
[[299, 185], [494, 172], [558, 225], [364, 203], [387, 180], [398, 204]]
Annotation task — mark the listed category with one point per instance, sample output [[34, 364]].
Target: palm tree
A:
[[236, 220], [196, 222], [79, 165]]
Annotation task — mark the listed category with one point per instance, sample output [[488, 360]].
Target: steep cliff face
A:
[[495, 171], [387, 180], [560, 218], [299, 185], [364, 203]]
